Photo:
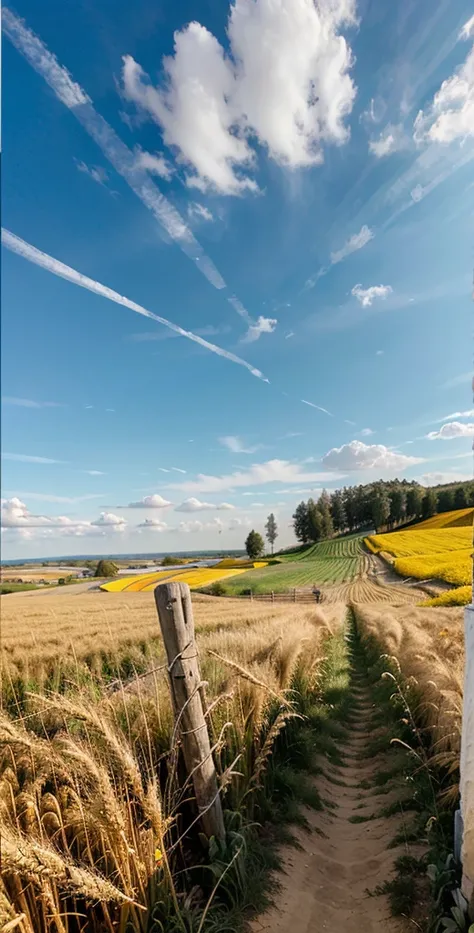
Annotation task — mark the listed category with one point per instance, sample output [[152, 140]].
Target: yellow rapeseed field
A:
[[195, 578], [440, 547]]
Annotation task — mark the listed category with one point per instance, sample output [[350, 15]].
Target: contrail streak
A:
[[24, 249]]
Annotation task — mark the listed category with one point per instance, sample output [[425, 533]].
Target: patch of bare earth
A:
[[326, 881]]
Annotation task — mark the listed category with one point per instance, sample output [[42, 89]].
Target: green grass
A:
[[334, 561], [17, 587]]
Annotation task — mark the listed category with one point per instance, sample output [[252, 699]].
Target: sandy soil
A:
[[326, 880]]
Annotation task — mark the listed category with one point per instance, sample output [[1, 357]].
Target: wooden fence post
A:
[[175, 612], [294, 595], [273, 597]]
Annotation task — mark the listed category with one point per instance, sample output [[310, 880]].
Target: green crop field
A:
[[335, 561]]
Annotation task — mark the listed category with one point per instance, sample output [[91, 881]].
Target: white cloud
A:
[[29, 402], [109, 520], [366, 296], [437, 479], [154, 524], [26, 458], [96, 172], [17, 517], [236, 524], [417, 193], [199, 211], [451, 430], [366, 432], [467, 31], [272, 471], [155, 164], [196, 526], [360, 456], [319, 407], [236, 445], [284, 83], [178, 470], [95, 472], [21, 248], [352, 423], [390, 140], [355, 242], [450, 116], [164, 470], [149, 502], [290, 333], [263, 325], [195, 505]]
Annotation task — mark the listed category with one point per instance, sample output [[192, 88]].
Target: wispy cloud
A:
[[366, 432], [156, 336], [455, 414], [163, 470], [178, 470], [24, 249], [95, 472], [355, 242], [96, 172], [290, 333], [199, 212], [153, 163], [272, 471], [319, 407], [236, 445], [196, 505], [29, 402], [49, 497], [27, 458], [154, 524], [390, 140], [366, 296], [263, 325], [459, 380]]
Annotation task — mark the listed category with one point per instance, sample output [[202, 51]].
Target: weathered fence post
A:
[[467, 763], [173, 602], [294, 595], [273, 597]]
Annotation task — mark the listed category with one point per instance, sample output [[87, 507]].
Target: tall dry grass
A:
[[427, 647], [95, 809]]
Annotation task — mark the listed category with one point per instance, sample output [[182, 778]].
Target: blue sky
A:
[[289, 186]]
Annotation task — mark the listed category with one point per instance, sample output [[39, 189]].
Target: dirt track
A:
[[327, 878], [375, 583]]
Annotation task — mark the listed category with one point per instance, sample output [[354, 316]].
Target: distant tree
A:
[[315, 522], [380, 509], [460, 498], [271, 531], [429, 504], [254, 545], [106, 568], [414, 499], [350, 506], [301, 524], [170, 561], [339, 518], [446, 500], [398, 503], [324, 508]]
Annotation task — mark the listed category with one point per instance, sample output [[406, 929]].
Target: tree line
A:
[[384, 504], [380, 505]]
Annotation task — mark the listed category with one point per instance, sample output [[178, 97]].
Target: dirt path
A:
[[325, 881]]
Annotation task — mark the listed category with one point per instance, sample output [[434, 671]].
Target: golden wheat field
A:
[[428, 646], [197, 577], [91, 792]]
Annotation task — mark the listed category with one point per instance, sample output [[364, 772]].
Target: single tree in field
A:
[[301, 524], [254, 545], [460, 498], [324, 509], [315, 522], [338, 513], [380, 510], [106, 568], [429, 506], [271, 532], [414, 499]]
